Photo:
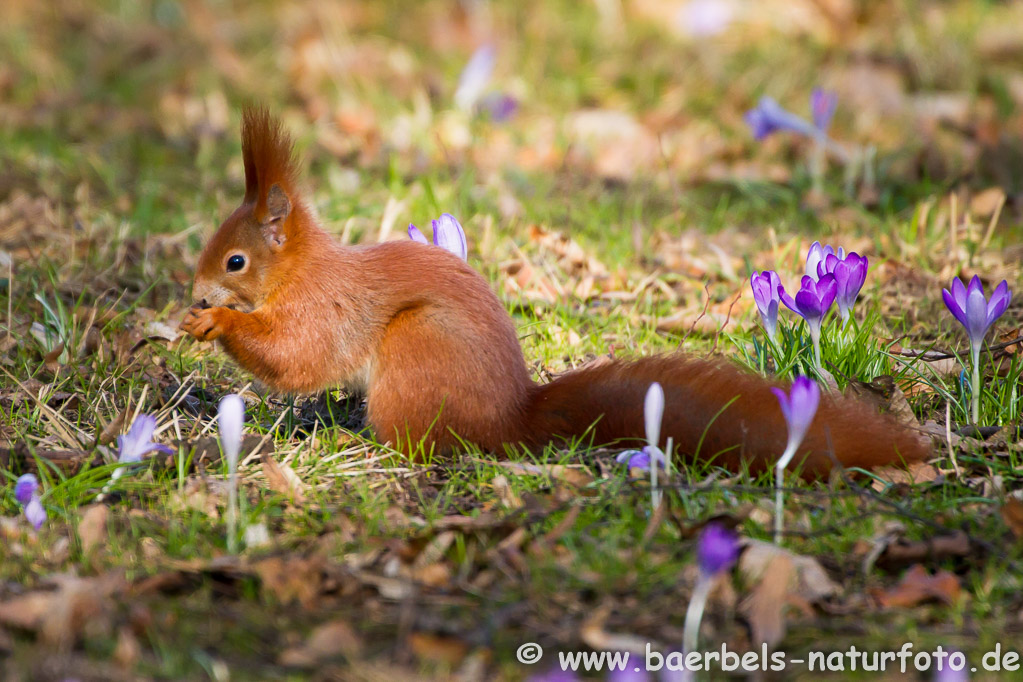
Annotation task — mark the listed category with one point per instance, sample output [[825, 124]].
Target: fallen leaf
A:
[[128, 650], [291, 579], [325, 642], [58, 615], [509, 498], [92, 528], [1012, 514], [764, 607], [812, 582], [283, 479], [446, 650], [914, 472], [918, 586], [984, 204], [893, 550]]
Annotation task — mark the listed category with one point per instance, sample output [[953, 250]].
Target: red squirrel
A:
[[421, 334]]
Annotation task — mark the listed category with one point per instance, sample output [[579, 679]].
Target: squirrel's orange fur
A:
[[423, 336]]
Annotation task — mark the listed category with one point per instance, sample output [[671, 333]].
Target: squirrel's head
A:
[[237, 267]]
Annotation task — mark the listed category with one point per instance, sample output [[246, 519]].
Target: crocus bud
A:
[[230, 419]]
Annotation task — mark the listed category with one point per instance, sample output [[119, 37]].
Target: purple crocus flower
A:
[[641, 459], [475, 77], [499, 106], [822, 107], [768, 116], [818, 254], [631, 672], [134, 445], [447, 234], [767, 292], [812, 302], [975, 312], [798, 406], [949, 674], [26, 491], [850, 272], [25, 487], [650, 458], [717, 549]]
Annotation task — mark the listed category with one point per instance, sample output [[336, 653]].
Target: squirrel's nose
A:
[[204, 304]]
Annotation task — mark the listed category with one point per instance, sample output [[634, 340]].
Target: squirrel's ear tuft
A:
[[268, 156]]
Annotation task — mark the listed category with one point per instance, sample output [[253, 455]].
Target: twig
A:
[[703, 313], [728, 316], [934, 356]]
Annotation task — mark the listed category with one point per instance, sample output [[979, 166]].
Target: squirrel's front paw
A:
[[204, 324]]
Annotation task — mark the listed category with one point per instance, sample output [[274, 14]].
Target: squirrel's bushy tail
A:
[[713, 411]]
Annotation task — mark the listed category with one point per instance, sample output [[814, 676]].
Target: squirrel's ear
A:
[[278, 207]]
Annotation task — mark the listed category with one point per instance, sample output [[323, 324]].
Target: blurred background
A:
[[620, 91], [620, 122]]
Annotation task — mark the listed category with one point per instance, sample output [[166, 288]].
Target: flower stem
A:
[[232, 512], [779, 503], [779, 492], [815, 337], [655, 493], [975, 393], [694, 614]]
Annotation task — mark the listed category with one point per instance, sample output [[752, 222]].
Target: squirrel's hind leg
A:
[[431, 390]]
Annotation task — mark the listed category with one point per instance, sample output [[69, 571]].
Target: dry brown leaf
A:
[[92, 528], [509, 498], [918, 586], [113, 429], [58, 615], [571, 256], [128, 650], [1012, 514], [446, 650], [812, 582], [325, 642], [283, 479], [892, 550], [52, 357], [915, 472], [433, 575], [548, 541], [764, 607], [984, 204], [292, 579], [435, 550]]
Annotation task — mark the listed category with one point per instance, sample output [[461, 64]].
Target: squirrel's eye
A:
[[235, 263]]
